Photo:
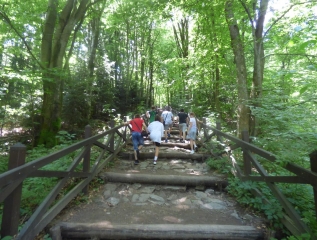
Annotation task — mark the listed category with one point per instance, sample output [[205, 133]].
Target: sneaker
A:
[[136, 162], [166, 140], [154, 162], [192, 152], [182, 141]]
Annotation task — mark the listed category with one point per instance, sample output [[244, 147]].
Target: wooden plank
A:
[[30, 233], [105, 230], [7, 190], [178, 155], [29, 227], [103, 146], [286, 220], [277, 179], [289, 209], [11, 205], [57, 174], [165, 179], [255, 163], [234, 147], [41, 218], [305, 174], [22, 172], [268, 155], [52, 212]]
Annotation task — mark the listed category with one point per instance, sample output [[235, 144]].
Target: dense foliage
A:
[[250, 64]]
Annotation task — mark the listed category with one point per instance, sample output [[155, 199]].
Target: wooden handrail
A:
[[292, 221], [11, 181]]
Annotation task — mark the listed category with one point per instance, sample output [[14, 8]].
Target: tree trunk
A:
[[54, 42], [151, 72], [259, 61], [181, 36], [92, 49], [243, 110]]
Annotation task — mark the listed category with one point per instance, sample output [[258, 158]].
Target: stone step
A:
[[151, 211], [178, 198]]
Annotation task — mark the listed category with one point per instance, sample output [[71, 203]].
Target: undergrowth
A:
[[299, 195], [36, 189]]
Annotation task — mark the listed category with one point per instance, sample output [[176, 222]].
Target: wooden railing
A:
[[12, 180], [291, 219], [115, 138]]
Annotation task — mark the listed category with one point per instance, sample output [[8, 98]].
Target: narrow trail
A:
[[179, 198]]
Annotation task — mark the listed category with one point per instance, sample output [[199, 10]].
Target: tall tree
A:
[[57, 30], [256, 17], [241, 70]]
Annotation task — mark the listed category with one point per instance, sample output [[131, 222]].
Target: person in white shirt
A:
[[156, 130], [167, 117]]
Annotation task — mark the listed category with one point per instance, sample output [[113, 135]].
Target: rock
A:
[[148, 189], [144, 197], [135, 198], [157, 198], [107, 194], [112, 201], [111, 186], [213, 205], [136, 186]]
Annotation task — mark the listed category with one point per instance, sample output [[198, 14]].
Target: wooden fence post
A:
[[112, 124], [11, 208], [205, 129], [246, 160], [126, 119], [86, 163], [313, 167]]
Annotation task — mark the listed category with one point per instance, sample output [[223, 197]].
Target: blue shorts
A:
[[192, 134], [137, 140]]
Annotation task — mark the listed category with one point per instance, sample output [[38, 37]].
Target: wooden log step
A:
[[169, 138], [170, 144], [176, 155], [107, 230], [208, 181]]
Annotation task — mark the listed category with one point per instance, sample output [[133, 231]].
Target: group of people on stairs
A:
[[160, 124]]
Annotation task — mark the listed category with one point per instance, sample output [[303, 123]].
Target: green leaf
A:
[[303, 89]]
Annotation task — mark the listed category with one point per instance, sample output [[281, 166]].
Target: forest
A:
[[249, 64]]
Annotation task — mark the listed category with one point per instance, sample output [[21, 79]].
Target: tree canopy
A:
[[67, 62], [250, 64]]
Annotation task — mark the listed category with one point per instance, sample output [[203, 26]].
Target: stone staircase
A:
[[179, 198]]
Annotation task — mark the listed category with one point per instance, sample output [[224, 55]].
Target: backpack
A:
[[152, 115]]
